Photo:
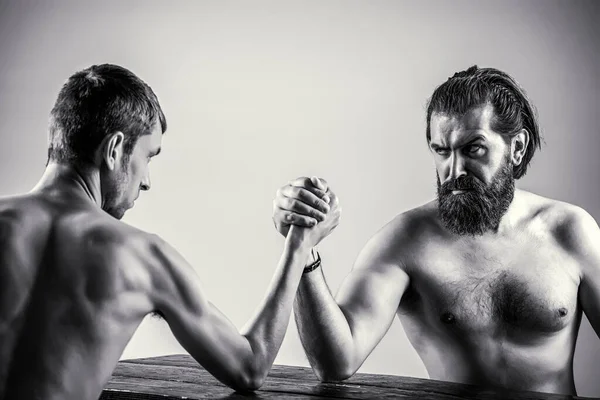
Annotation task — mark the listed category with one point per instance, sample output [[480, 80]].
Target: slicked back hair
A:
[[474, 87], [96, 102]]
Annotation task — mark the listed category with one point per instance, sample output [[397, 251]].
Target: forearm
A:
[[241, 361], [324, 329], [265, 332]]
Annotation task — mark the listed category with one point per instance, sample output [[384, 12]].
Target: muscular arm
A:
[[338, 334], [241, 361], [584, 238]]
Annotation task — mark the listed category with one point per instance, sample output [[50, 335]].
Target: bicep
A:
[[589, 294], [589, 287], [369, 298], [584, 241]]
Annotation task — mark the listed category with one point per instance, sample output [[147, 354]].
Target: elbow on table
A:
[[334, 374], [250, 380]]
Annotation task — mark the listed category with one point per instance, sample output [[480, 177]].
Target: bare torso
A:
[[72, 293], [496, 310]]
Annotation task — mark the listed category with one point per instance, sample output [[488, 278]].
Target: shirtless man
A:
[[75, 282], [488, 282]]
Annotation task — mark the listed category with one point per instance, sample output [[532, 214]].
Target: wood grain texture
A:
[[180, 377]]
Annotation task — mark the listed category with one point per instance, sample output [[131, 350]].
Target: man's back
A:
[[72, 294], [75, 283]]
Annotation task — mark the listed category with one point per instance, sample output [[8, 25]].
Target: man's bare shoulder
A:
[[24, 209], [412, 226], [403, 234], [72, 221], [95, 230], [569, 225]]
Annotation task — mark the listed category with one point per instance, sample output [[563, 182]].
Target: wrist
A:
[[314, 264], [312, 256], [298, 238], [297, 242]]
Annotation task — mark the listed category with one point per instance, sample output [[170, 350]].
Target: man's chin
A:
[[116, 213]]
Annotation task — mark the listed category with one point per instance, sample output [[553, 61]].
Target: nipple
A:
[[562, 311], [448, 318]]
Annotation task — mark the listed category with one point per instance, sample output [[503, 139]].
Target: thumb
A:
[[318, 184]]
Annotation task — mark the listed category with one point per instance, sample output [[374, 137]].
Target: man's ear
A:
[[518, 146], [112, 150]]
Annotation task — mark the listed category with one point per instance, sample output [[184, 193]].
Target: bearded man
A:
[[489, 282]]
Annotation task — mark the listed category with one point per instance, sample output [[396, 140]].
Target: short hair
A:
[[475, 86], [96, 102]]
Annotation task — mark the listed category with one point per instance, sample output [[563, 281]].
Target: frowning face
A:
[[474, 171]]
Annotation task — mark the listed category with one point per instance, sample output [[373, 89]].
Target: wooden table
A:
[[180, 377]]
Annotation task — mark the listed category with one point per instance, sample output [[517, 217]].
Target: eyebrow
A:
[[472, 140]]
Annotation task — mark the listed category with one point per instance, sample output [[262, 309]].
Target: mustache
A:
[[462, 183]]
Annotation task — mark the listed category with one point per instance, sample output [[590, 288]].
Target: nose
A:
[[145, 185], [457, 167]]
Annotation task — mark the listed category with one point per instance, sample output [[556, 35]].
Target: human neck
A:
[[83, 183]]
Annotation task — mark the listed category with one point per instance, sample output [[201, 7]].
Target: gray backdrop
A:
[[257, 93]]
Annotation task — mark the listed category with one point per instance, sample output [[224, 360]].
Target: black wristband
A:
[[314, 265]]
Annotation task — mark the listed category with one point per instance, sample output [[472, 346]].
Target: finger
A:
[[306, 197], [334, 201], [324, 183], [287, 199], [308, 185], [303, 181], [291, 218], [299, 207], [318, 183]]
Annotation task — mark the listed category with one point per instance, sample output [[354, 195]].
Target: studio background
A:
[[257, 93]]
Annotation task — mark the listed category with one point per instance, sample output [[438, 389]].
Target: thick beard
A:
[[480, 209]]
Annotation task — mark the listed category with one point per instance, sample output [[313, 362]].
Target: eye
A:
[[474, 149], [441, 151]]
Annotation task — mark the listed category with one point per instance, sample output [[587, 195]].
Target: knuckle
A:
[[293, 204], [306, 195], [278, 217], [297, 192], [300, 181]]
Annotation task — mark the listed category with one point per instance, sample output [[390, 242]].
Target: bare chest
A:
[[497, 288]]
